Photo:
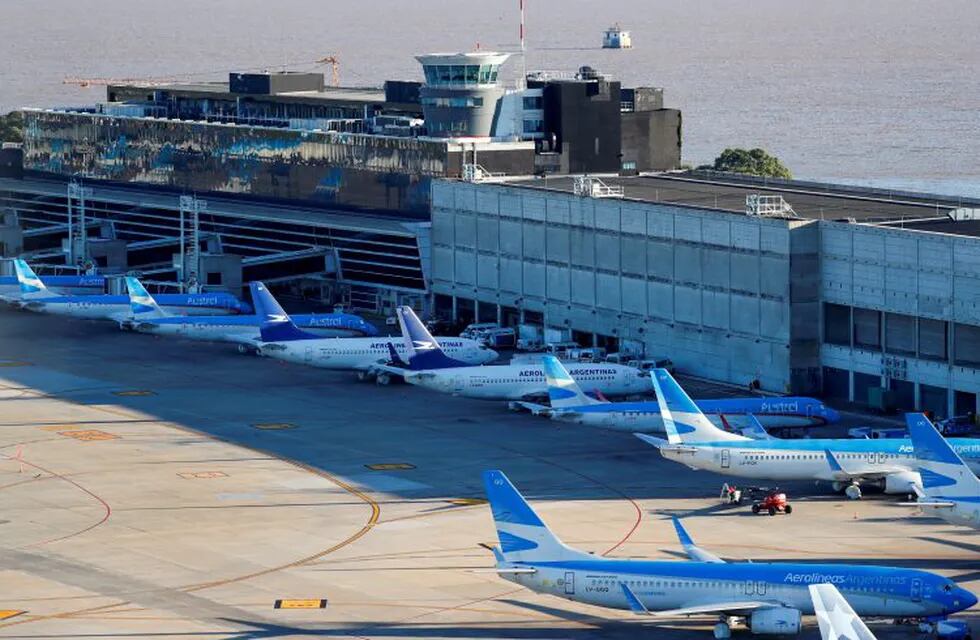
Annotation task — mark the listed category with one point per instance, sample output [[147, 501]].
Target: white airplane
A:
[[692, 440], [836, 618], [428, 366], [949, 488], [283, 340]]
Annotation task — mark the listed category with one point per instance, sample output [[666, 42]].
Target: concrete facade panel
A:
[[660, 223], [745, 314], [442, 228], [558, 212], [581, 213], [607, 215], [660, 300], [534, 208], [744, 275], [465, 272], [442, 264], [716, 308], [871, 248], [687, 226], [687, 304], [717, 232], [583, 287], [557, 238], [745, 236], [869, 285], [465, 231], [582, 247], [511, 205], [835, 239], [534, 279], [608, 291], [533, 240], [511, 275], [774, 320], [966, 258], [511, 237], [634, 256], [487, 273], [607, 251], [634, 218], [687, 263], [835, 279], [660, 259], [773, 237], [486, 201], [901, 250], [774, 277], [558, 283], [901, 285], [635, 296], [488, 234], [716, 268]]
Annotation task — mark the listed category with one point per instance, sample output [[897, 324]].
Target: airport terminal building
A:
[[552, 207]]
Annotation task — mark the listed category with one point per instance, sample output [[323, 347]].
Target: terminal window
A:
[[836, 324], [867, 328]]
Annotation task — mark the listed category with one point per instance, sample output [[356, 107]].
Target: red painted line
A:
[[105, 517]]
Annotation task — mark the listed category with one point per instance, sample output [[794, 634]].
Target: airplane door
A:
[[569, 583], [458, 384], [916, 590], [726, 458], [308, 355]]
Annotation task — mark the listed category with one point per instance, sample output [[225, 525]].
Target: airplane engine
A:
[[901, 482], [775, 621]]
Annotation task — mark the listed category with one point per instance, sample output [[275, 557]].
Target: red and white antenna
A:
[[523, 80]]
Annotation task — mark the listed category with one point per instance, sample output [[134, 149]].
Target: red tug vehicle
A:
[[773, 502]]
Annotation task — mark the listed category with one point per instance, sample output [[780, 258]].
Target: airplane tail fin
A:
[[943, 472], [563, 391], [683, 420], [424, 351], [141, 302], [523, 536], [835, 616], [755, 430], [276, 325], [30, 285]]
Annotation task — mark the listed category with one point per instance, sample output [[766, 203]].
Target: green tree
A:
[[754, 162], [12, 127]]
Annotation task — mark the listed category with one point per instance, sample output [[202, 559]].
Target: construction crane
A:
[[334, 63]]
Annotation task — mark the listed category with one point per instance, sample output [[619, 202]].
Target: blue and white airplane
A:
[[243, 330], [949, 490], [769, 597], [429, 367], [570, 404], [847, 463], [35, 296], [62, 285], [283, 340]]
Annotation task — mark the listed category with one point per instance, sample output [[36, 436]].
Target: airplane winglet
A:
[[652, 440], [693, 551], [635, 605]]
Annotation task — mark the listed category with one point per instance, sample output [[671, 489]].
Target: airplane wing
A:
[[535, 408], [734, 607], [857, 471], [835, 616], [930, 504], [660, 443], [398, 371], [693, 551]]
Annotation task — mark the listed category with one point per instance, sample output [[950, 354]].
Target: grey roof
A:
[[808, 202]]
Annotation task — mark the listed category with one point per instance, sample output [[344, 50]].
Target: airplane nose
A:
[[965, 599]]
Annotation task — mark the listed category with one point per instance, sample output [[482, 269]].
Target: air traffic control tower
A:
[[461, 94]]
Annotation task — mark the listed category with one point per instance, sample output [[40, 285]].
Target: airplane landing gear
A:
[[853, 492], [384, 379], [723, 631]]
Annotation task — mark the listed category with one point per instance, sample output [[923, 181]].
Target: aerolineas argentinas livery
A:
[[35, 296], [847, 463], [283, 340], [752, 414], [429, 367], [769, 597], [949, 490], [243, 329]]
